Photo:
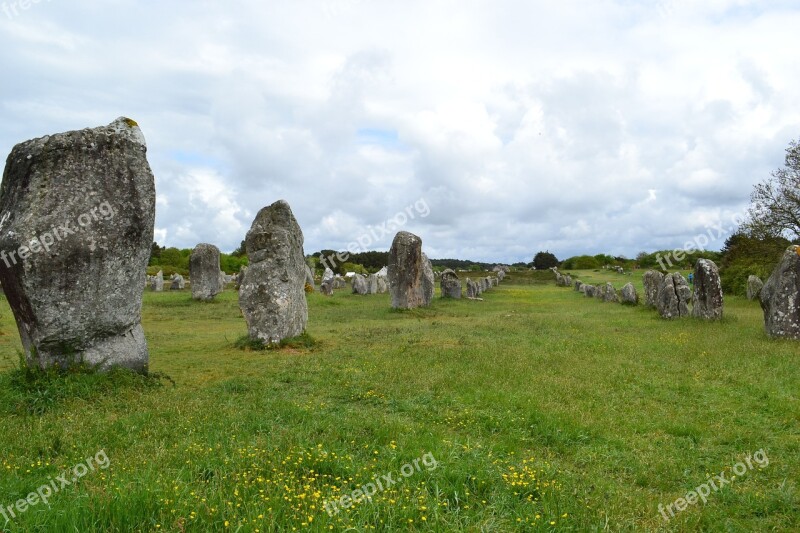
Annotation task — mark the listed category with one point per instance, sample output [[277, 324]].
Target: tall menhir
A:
[[76, 228]]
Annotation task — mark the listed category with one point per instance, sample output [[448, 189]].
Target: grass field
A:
[[534, 410]]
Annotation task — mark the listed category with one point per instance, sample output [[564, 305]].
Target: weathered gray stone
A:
[[599, 291], [328, 282], [652, 281], [673, 296], [410, 273], [707, 297], [240, 277], [628, 295], [610, 294], [450, 284], [754, 286], [578, 284], [310, 277], [272, 296], [472, 289], [568, 281], [383, 285], [588, 290], [372, 284], [158, 282], [204, 272], [177, 283], [360, 285], [76, 228], [780, 297], [501, 274], [339, 282]]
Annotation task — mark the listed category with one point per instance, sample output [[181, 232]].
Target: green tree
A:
[[775, 202], [544, 260]]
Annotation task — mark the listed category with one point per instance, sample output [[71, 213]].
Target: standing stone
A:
[[410, 273], [327, 285], [383, 273], [339, 282], [780, 297], [599, 291], [568, 281], [240, 277], [178, 283], [707, 296], [158, 281], [272, 297], [221, 281], [310, 278], [588, 291], [204, 272], [628, 295], [754, 286], [578, 285], [501, 275], [360, 285], [372, 284], [471, 292], [652, 280], [673, 296], [450, 284], [76, 228], [383, 285], [610, 294]]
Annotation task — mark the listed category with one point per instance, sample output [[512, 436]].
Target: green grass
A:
[[544, 410]]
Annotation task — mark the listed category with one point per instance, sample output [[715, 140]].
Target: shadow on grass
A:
[[304, 341], [34, 391]]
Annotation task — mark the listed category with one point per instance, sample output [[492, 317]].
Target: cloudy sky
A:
[[611, 126]]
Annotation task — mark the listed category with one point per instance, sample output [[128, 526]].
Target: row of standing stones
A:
[[671, 295], [409, 277], [77, 295]]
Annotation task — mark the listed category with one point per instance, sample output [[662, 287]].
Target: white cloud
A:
[[617, 127]]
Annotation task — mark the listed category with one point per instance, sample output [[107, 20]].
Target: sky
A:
[[491, 129]]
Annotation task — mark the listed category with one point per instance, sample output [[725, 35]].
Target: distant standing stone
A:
[[158, 281], [610, 294], [652, 281], [240, 277], [327, 285], [578, 285], [450, 284], [272, 296], [754, 286], [360, 285], [177, 283], [410, 273], [383, 285], [310, 277], [472, 289], [780, 297], [588, 290], [501, 275], [707, 297], [204, 272], [673, 296], [628, 294], [77, 212]]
